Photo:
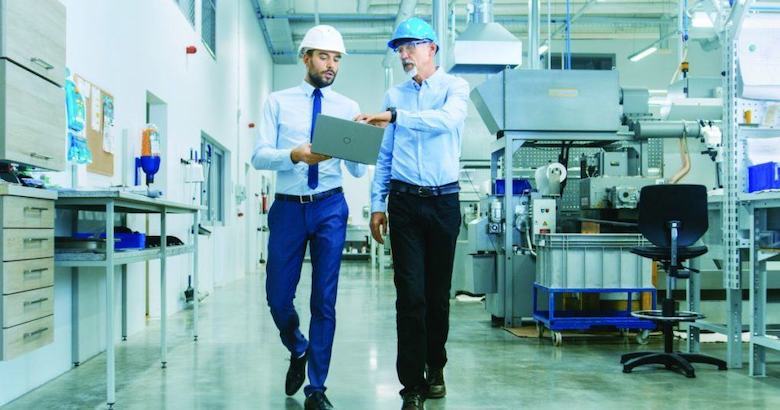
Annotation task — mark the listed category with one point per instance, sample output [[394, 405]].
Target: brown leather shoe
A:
[[413, 401], [435, 379]]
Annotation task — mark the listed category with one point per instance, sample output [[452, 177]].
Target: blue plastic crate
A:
[[122, 240], [763, 176], [518, 186]]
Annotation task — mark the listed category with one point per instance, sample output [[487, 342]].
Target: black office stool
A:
[[673, 218]]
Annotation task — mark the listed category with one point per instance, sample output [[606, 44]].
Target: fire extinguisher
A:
[[264, 201]]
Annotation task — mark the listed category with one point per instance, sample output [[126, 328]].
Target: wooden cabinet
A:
[[26, 269], [32, 35], [32, 71]]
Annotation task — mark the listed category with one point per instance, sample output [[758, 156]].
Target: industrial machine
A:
[[541, 119]]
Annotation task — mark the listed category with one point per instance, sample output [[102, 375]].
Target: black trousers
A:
[[423, 233]]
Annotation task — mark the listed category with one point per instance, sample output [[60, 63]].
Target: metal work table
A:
[[758, 206], [112, 202]]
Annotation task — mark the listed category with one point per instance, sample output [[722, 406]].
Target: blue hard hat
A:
[[413, 28]]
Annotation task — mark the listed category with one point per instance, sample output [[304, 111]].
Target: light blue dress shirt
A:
[[422, 147], [286, 124]]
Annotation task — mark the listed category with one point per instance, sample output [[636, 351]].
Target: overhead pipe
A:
[[502, 19], [482, 11], [578, 15], [362, 6], [533, 34], [439, 19], [405, 11]]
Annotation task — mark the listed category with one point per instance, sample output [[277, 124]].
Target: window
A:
[[586, 61], [187, 7], [213, 194], [208, 26]]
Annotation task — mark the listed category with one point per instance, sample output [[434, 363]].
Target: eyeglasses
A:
[[408, 47]]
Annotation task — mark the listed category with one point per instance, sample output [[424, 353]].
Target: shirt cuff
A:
[[378, 206], [286, 160]]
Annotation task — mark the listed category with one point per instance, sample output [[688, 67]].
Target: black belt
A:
[[424, 191], [305, 199]]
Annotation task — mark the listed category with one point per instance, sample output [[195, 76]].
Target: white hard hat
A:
[[322, 37]]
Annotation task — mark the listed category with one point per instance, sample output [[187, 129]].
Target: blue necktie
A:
[[314, 170]]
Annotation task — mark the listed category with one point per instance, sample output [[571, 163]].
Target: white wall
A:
[[128, 48]]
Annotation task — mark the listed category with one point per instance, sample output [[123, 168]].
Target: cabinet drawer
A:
[[31, 274], [27, 306], [33, 35], [27, 244], [21, 212], [27, 337], [32, 117]]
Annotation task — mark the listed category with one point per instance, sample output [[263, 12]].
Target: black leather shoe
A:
[[413, 401], [296, 374], [317, 401], [435, 379]]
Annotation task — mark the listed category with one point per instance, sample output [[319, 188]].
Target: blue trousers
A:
[[322, 225]]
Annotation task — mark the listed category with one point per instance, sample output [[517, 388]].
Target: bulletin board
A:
[[99, 140]]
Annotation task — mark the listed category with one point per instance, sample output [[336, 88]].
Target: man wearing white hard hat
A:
[[309, 209]]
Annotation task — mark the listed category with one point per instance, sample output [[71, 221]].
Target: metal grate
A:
[[209, 24], [187, 7]]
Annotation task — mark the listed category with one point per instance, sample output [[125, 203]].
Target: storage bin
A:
[[582, 261], [763, 176]]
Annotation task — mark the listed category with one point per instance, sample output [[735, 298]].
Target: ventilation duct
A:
[[485, 47]]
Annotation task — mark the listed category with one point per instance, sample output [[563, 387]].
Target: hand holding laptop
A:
[[348, 140], [302, 153]]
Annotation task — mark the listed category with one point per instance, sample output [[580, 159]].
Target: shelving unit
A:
[[112, 202]]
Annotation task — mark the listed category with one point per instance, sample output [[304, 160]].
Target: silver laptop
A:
[[345, 139]]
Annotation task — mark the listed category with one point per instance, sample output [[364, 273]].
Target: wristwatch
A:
[[393, 114]]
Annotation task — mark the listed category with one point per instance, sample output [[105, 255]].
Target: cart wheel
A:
[[557, 338], [540, 329], [643, 336]]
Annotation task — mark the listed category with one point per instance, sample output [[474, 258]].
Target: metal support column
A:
[[110, 361], [163, 290], [757, 295], [730, 212], [195, 267], [124, 303]]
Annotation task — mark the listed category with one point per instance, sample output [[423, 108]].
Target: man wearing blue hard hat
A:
[[418, 169]]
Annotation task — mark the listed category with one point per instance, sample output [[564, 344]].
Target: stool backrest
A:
[[660, 204]]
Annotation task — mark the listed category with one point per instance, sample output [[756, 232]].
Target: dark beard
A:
[[318, 81]]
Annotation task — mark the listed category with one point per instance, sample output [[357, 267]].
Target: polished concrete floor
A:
[[240, 364]]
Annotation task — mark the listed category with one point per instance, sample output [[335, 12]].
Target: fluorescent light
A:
[[642, 54], [701, 20], [543, 49]]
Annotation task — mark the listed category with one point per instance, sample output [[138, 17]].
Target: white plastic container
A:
[[598, 261]]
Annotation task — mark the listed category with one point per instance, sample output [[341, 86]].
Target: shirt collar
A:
[[309, 89], [432, 81]]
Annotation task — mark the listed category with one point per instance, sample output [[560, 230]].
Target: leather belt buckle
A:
[[305, 199], [425, 192]]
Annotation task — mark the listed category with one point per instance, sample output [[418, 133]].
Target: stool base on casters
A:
[[670, 359]]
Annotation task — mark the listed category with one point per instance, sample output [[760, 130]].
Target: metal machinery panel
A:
[[522, 100], [655, 154]]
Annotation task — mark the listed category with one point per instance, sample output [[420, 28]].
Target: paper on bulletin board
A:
[[102, 161], [96, 111]]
